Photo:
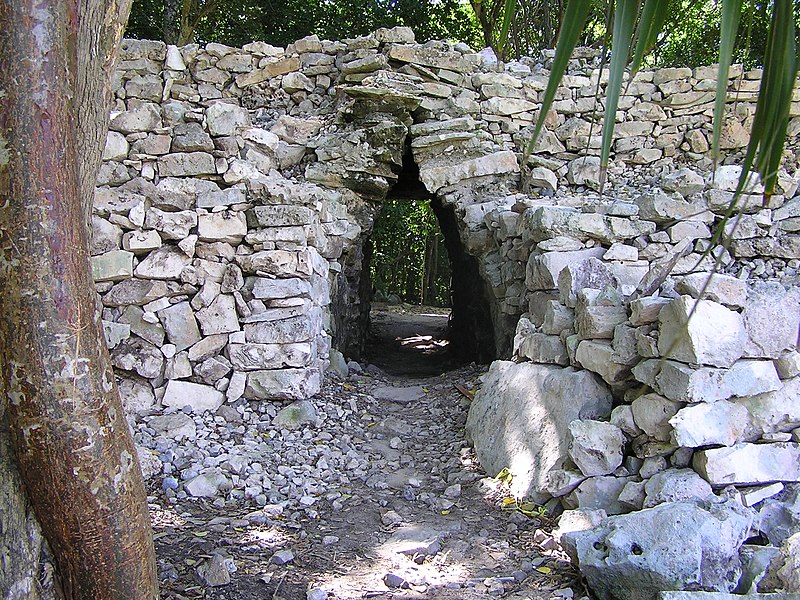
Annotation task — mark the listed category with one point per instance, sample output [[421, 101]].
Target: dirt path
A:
[[406, 514]]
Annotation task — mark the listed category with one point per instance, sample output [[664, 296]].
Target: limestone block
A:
[[749, 464], [146, 327], [166, 262], [674, 485], [144, 117], [112, 266], [557, 318], [141, 242], [599, 357], [584, 171], [214, 198], [623, 252], [771, 319], [135, 354], [253, 357], [725, 289], [660, 207], [540, 177], [285, 331], [429, 57], [438, 177], [507, 106], [186, 164], [226, 226], [714, 336], [684, 181], [683, 383], [542, 348], [652, 414], [116, 147], [542, 270], [589, 273], [224, 118], [136, 395], [212, 369], [673, 546], [180, 325], [198, 397], [114, 333], [601, 492], [282, 384], [788, 365], [561, 482], [519, 420], [272, 289], [171, 225], [726, 177], [220, 316], [296, 82], [622, 417], [140, 291], [598, 322], [271, 69], [280, 215], [278, 263], [697, 425], [777, 411], [191, 137], [646, 310], [595, 446]]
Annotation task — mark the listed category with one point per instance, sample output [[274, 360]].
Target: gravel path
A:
[[376, 495]]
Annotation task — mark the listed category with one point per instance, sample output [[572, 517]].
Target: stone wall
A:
[[239, 185]]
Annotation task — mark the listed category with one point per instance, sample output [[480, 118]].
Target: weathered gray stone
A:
[[135, 354], [714, 335], [589, 273], [228, 226], [186, 164], [295, 415], [141, 242], [595, 446], [207, 484], [542, 270], [137, 395], [166, 262], [438, 177], [284, 331], [115, 265], [680, 382], [646, 310], [598, 322], [600, 357], [774, 411], [198, 397], [601, 492], [652, 413], [519, 419], [253, 357], [771, 319], [542, 348], [674, 485], [724, 289], [179, 426], [283, 384], [749, 464], [180, 325], [171, 225], [271, 289], [674, 546], [145, 117], [710, 424], [224, 118], [220, 316]]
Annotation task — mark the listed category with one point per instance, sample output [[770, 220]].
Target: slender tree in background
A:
[[65, 447]]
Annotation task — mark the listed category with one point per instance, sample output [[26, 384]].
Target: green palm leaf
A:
[[509, 11], [651, 23]]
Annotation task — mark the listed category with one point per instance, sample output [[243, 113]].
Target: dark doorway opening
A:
[[429, 309]]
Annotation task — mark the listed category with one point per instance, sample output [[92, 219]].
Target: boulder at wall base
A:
[[674, 546], [520, 420]]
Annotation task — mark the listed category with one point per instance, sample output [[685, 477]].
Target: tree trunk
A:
[[171, 21], [66, 426]]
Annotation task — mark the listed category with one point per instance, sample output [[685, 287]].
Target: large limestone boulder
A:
[[673, 546], [520, 420]]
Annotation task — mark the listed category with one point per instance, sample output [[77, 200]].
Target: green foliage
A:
[[409, 259], [237, 22]]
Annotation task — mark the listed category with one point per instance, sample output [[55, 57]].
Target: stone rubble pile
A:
[[239, 186]]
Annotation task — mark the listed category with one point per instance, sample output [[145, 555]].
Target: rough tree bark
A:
[[73, 459]]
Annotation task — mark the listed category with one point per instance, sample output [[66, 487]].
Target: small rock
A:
[[282, 557]]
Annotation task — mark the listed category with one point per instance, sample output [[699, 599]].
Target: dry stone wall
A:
[[238, 187]]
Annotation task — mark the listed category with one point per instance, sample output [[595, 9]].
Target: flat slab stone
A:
[[749, 464], [400, 395], [414, 539]]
